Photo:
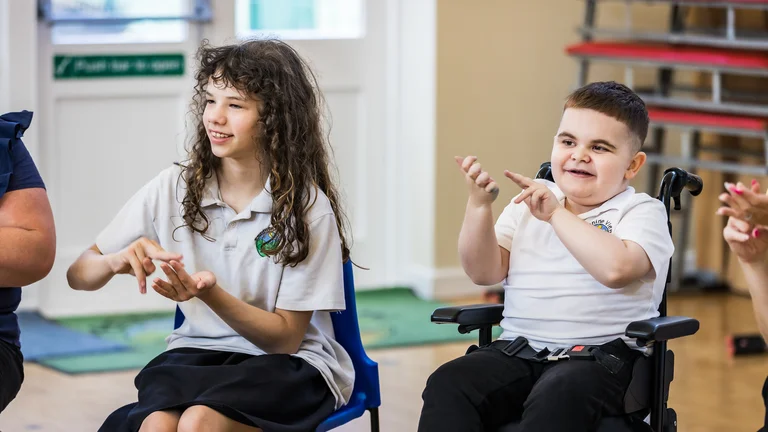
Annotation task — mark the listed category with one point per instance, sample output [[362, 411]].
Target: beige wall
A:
[[502, 76]]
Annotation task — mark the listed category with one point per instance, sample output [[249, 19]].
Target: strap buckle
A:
[[558, 354], [514, 346], [582, 351]]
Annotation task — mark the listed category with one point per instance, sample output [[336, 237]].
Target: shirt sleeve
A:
[[645, 223], [25, 174], [17, 169], [133, 221], [506, 224], [317, 283]]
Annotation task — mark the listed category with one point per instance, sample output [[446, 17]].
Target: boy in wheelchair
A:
[[580, 259]]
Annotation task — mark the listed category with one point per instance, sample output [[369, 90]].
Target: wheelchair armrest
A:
[[469, 315], [661, 329]]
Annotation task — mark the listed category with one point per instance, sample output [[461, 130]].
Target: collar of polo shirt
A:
[[262, 203]]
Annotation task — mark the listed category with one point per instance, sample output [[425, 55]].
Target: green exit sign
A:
[[117, 66]]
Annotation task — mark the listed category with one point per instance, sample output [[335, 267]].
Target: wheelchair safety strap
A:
[[519, 347]]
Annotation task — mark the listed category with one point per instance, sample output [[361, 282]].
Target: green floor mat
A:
[[396, 317], [388, 318]]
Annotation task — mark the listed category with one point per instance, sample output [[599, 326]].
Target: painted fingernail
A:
[[735, 190], [755, 233], [754, 182]]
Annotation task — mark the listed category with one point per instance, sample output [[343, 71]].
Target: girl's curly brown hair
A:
[[291, 140]]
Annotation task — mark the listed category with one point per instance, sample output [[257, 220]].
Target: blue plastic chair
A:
[[366, 394]]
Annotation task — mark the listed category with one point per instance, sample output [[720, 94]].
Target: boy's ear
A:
[[638, 160]]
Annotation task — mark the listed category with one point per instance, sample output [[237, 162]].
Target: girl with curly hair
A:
[[250, 237]]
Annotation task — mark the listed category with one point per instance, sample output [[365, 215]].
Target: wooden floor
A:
[[711, 391]]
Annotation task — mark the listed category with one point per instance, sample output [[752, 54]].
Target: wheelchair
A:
[[648, 391]]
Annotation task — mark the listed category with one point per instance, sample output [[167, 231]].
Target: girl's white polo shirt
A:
[[315, 284]]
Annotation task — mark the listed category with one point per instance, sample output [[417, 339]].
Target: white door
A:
[[355, 75], [104, 137]]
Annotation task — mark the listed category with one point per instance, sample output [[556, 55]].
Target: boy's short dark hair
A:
[[614, 100]]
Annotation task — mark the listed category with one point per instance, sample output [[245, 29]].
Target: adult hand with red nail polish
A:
[[745, 203], [748, 239], [748, 242]]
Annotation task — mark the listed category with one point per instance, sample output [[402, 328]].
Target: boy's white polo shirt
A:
[[553, 301], [315, 284]]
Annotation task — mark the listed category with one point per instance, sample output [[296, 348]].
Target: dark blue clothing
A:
[[17, 171]]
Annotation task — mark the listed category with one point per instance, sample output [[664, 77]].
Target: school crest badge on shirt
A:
[[603, 224], [266, 241]]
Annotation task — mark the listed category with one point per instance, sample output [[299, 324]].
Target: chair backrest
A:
[[178, 319], [347, 332]]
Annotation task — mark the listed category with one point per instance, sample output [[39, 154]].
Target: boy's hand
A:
[[746, 241], [539, 199], [482, 188]]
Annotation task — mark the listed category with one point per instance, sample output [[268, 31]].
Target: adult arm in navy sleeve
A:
[[27, 233]]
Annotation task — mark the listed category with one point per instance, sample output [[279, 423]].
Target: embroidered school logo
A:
[[266, 241], [603, 225]]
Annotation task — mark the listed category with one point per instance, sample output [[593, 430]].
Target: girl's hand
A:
[[747, 204], [539, 199], [746, 241], [482, 189], [136, 260], [182, 286]]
